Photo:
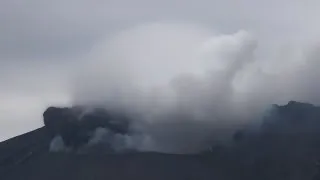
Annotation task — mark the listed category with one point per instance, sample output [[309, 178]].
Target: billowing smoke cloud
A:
[[186, 87], [181, 83], [57, 145]]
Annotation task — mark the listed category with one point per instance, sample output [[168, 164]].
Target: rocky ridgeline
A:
[[286, 146]]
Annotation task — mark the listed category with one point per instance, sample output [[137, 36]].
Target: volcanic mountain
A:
[[286, 146]]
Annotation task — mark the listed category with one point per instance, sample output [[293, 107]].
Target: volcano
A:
[[285, 146]]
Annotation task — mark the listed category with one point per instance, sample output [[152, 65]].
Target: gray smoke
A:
[[187, 88], [57, 145], [182, 83]]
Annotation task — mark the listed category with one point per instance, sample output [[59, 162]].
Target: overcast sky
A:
[[41, 41]]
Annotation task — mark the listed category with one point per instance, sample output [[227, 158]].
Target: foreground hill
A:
[[117, 167], [286, 147]]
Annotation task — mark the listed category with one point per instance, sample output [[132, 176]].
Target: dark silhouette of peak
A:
[[76, 125], [286, 146]]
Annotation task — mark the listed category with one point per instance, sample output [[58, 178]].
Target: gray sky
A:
[[44, 43]]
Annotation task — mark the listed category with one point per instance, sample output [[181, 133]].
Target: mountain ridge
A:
[[287, 146]]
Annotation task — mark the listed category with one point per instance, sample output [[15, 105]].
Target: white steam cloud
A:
[[57, 145], [188, 87]]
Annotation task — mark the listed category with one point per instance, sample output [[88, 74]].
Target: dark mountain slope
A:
[[285, 147], [113, 167], [19, 149]]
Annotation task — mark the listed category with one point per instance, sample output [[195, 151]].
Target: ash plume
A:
[[185, 88]]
